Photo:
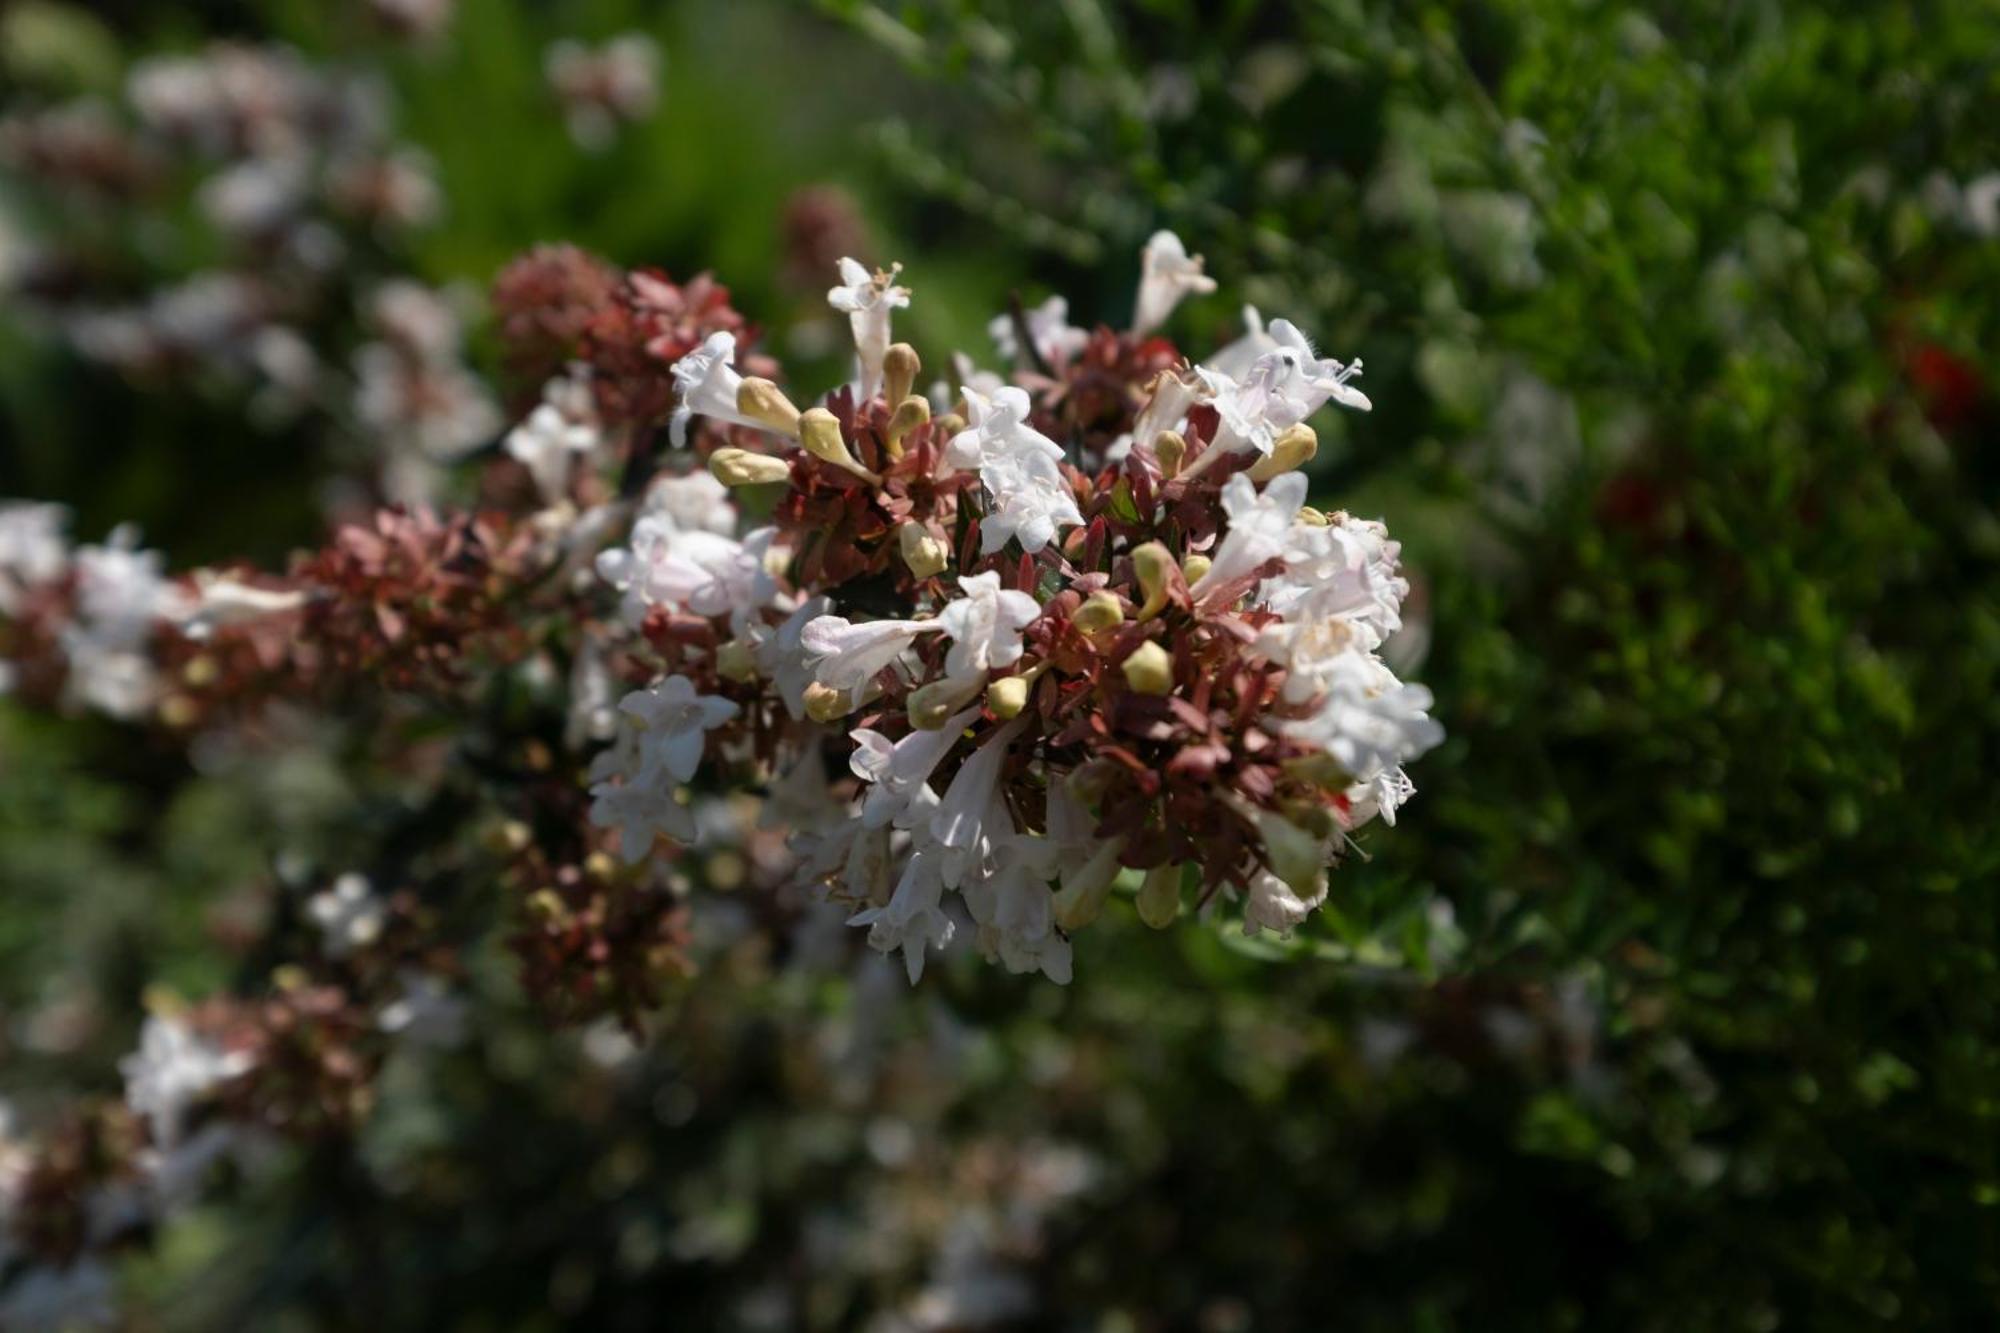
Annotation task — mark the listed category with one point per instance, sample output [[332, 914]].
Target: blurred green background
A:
[[1670, 1003]]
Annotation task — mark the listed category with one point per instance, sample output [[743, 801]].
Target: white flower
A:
[[222, 602], [1055, 339], [1368, 720], [562, 428], [972, 814], [913, 919], [985, 625], [707, 381], [1274, 905], [1167, 273], [1260, 524], [640, 814], [847, 656], [866, 299], [1345, 571], [1236, 358], [781, 653], [121, 599], [174, 1068], [673, 720], [1020, 469], [349, 914], [33, 549], [899, 772], [1015, 908], [689, 570], [1282, 388], [427, 1012], [693, 502], [1383, 795]]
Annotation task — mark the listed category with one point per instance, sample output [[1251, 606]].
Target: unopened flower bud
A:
[[736, 660], [924, 554], [819, 432], [1100, 611], [740, 467], [764, 402], [1007, 696], [826, 704], [1085, 890], [912, 412], [1152, 562], [1150, 669], [900, 368], [950, 424], [1311, 517], [931, 706], [1170, 447], [1293, 448], [200, 672], [1194, 567], [599, 866], [1160, 896]]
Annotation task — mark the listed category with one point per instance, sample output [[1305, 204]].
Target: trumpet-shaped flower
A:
[[846, 656], [1167, 275], [673, 720], [866, 299], [1260, 524], [914, 919], [899, 772], [707, 381], [985, 625]]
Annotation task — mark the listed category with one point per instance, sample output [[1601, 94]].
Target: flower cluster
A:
[[1078, 625]]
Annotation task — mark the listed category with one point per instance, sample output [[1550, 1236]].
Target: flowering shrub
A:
[[1057, 630]]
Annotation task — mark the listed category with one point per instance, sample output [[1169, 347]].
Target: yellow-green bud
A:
[[1293, 448], [1150, 669], [1311, 517], [1152, 562], [900, 368], [1085, 890], [1160, 896], [740, 467], [1100, 611], [766, 404], [923, 553], [819, 432], [826, 704], [950, 424], [1007, 696], [1194, 567], [931, 706], [736, 660], [912, 412], [1170, 447]]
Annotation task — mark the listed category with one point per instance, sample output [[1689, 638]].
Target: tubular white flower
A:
[[1274, 905], [173, 1069], [1019, 467], [707, 381], [640, 814], [223, 602], [550, 440], [689, 570], [1015, 908], [846, 656], [866, 299], [913, 919], [1260, 524], [693, 502], [971, 812], [1281, 388], [985, 625], [673, 720], [1368, 720], [1049, 329], [1167, 274], [781, 653], [899, 772]]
